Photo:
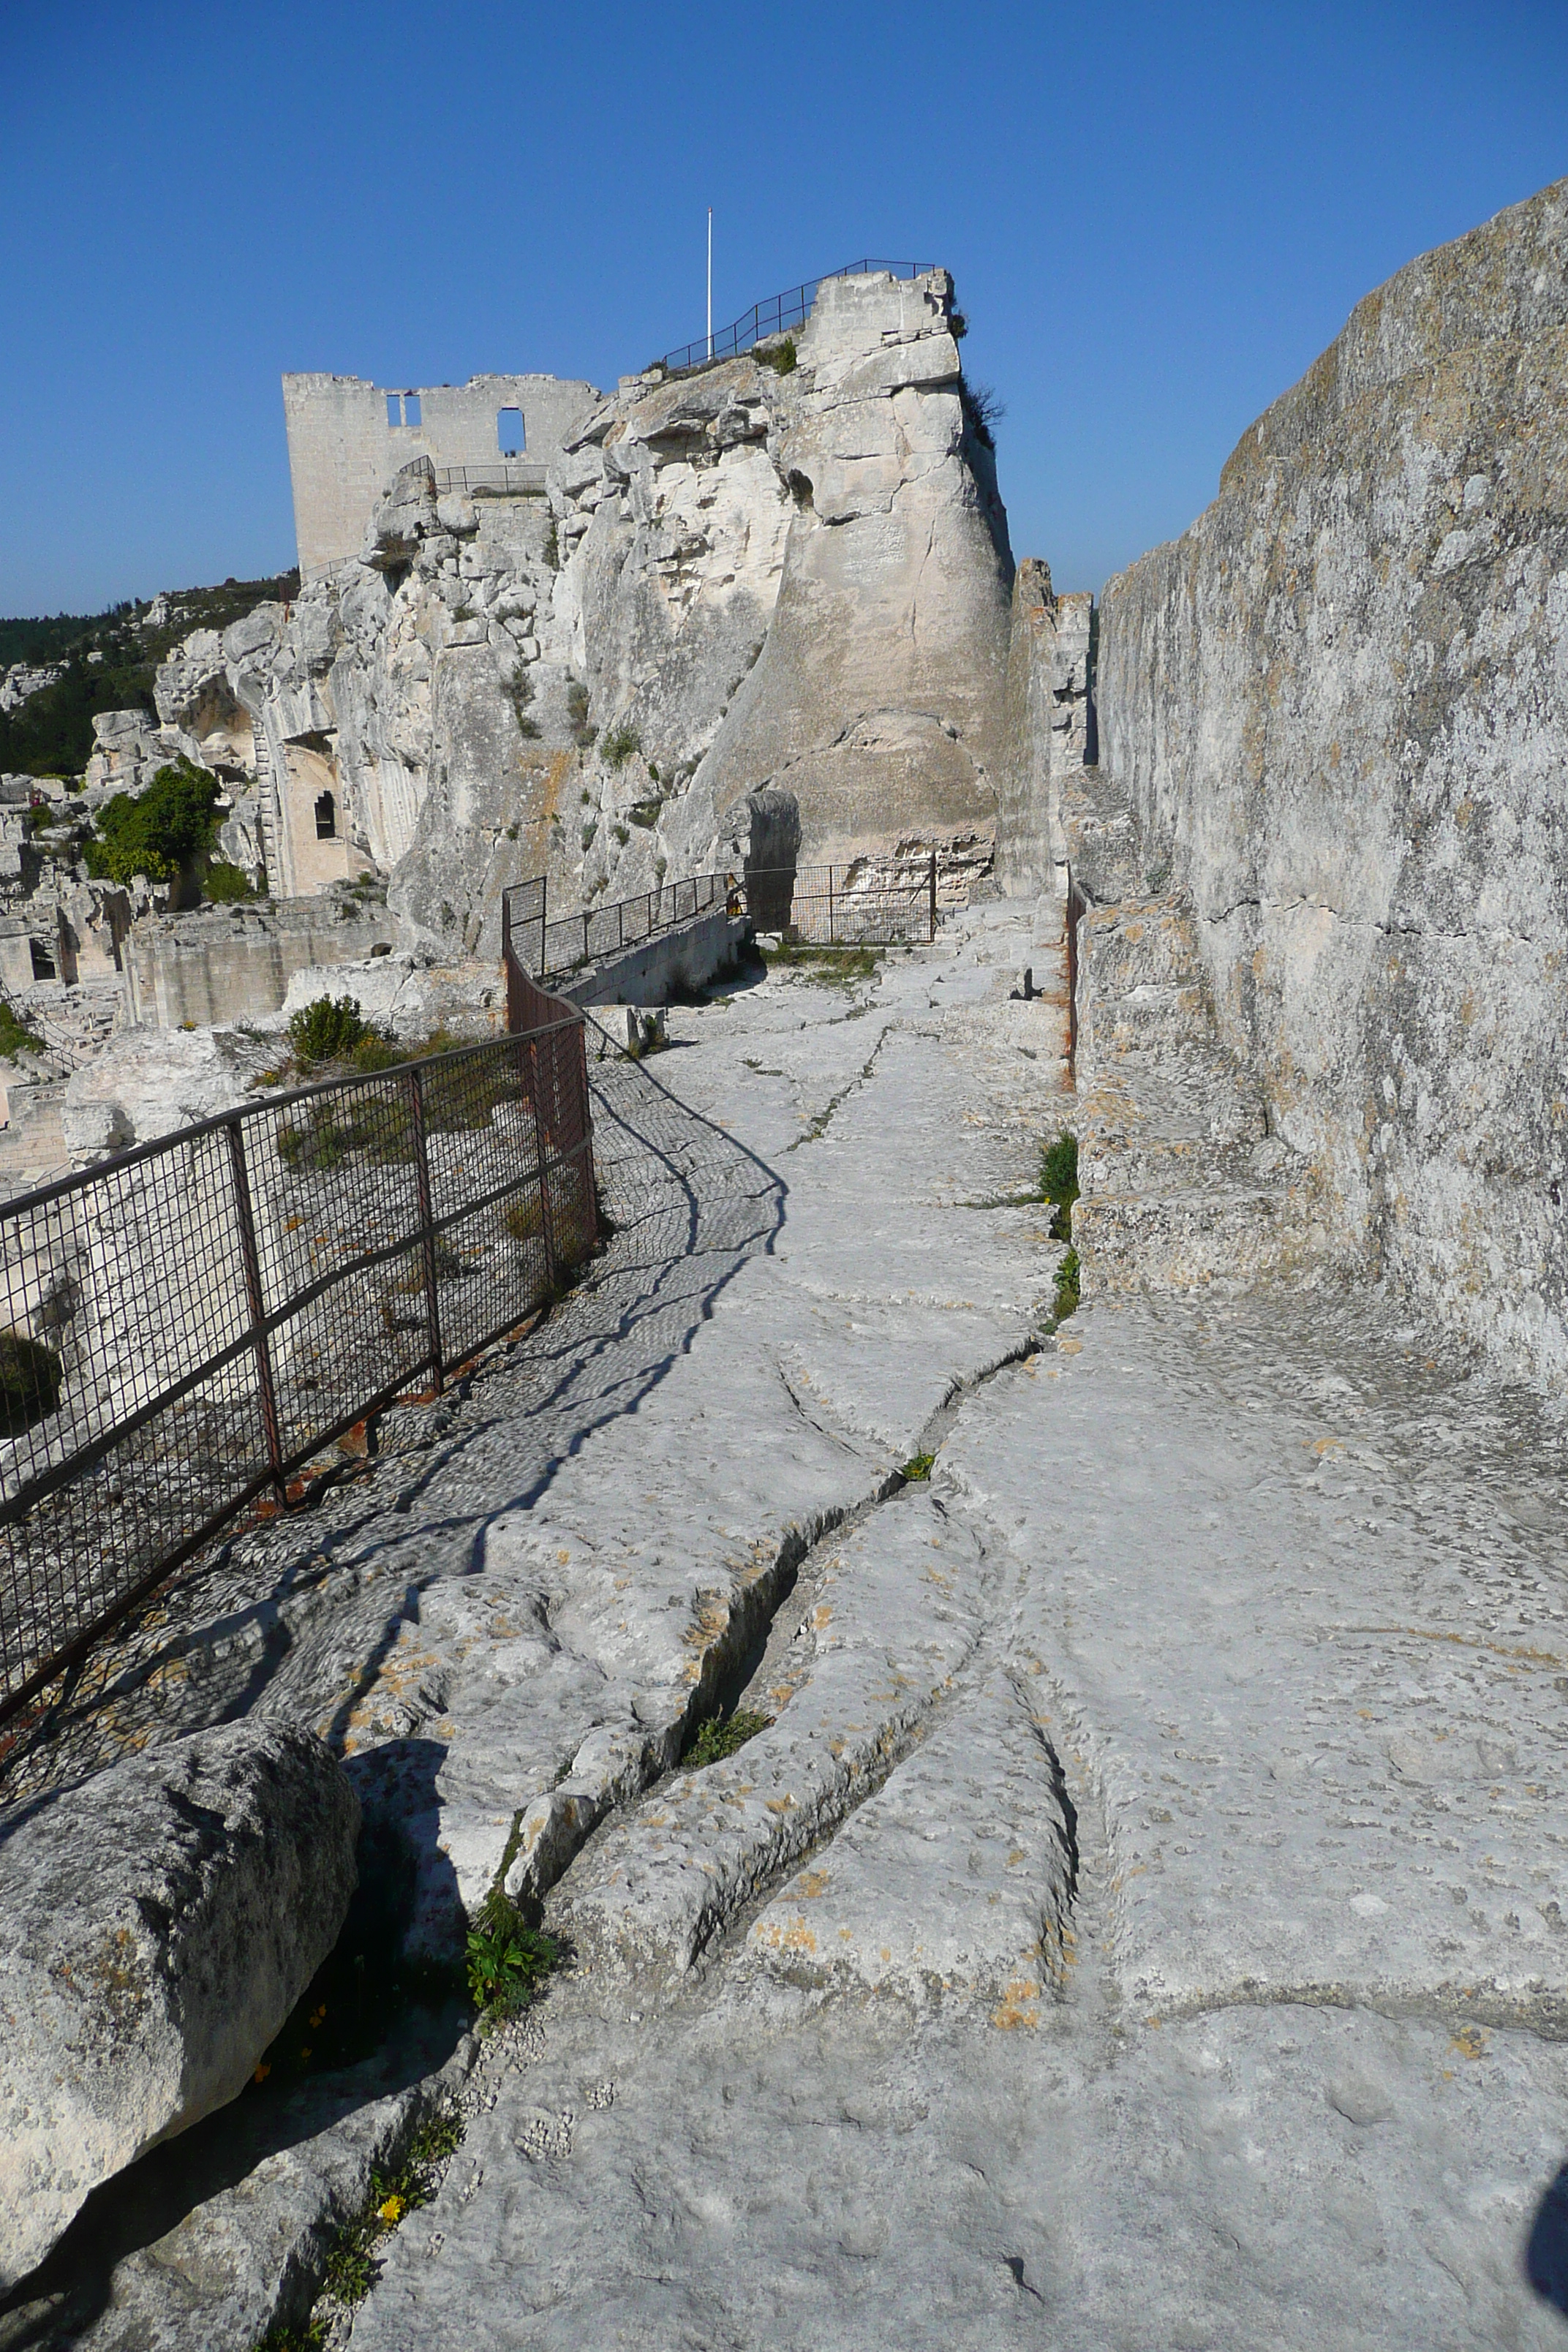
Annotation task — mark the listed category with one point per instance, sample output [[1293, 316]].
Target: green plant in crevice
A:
[[919, 1465], [720, 1736], [507, 1963], [620, 744], [224, 885], [781, 357], [1069, 1275], [1059, 1181]]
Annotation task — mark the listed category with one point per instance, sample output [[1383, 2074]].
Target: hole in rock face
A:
[[801, 491], [511, 437], [43, 961], [326, 818]]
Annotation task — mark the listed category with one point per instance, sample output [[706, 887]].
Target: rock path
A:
[[1140, 1924]]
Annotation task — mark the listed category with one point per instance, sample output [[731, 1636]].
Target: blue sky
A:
[[1157, 217]]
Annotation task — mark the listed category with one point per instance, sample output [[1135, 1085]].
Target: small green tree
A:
[[160, 829]]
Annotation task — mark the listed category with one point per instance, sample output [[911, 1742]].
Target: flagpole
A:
[[710, 281]]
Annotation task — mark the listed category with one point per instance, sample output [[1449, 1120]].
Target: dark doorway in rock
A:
[[326, 818]]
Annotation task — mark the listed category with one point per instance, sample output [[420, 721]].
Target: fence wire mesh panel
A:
[[554, 946], [778, 314], [183, 1329], [864, 904]]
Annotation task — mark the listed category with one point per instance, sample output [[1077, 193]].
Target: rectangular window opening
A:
[[411, 408], [395, 408], [510, 436]]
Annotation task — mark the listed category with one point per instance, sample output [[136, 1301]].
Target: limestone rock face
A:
[[877, 697], [1048, 724], [750, 576], [1339, 705], [147, 1082], [157, 1926]]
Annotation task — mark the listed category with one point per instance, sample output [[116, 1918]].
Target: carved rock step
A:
[[898, 1615], [957, 1877]]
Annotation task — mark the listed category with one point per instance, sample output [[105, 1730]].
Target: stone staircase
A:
[[268, 812], [1183, 1185]]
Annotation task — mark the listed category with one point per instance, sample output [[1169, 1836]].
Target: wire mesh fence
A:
[[778, 314], [183, 1329], [554, 946], [867, 903]]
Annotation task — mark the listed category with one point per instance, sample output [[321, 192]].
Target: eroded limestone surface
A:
[[1142, 1921]]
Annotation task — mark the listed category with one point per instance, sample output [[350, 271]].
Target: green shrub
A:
[[30, 1379], [619, 745], [224, 883], [717, 1739], [327, 1029], [16, 1037], [782, 358], [919, 1465], [160, 830]]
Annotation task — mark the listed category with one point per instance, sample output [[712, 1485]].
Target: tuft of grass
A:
[[718, 1738], [1067, 1278], [781, 357], [826, 966], [621, 744], [919, 1465], [393, 2196]]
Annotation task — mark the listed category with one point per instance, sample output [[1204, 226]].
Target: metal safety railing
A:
[[779, 314], [546, 947], [185, 1326], [495, 478], [867, 903]]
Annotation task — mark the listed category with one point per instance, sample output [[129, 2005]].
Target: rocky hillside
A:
[[1339, 705], [789, 568]]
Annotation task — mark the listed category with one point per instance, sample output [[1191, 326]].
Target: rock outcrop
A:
[[1049, 730], [156, 1926], [787, 570], [1339, 705]]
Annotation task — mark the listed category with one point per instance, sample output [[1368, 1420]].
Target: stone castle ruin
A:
[[1052, 1811]]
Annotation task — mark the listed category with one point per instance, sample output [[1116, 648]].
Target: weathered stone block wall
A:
[[343, 452], [233, 963], [1340, 706]]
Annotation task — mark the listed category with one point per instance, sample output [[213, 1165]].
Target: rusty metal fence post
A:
[[426, 1220], [931, 933], [255, 1303]]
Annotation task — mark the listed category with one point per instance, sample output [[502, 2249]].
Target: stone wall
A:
[[222, 964], [345, 450], [1339, 705]]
